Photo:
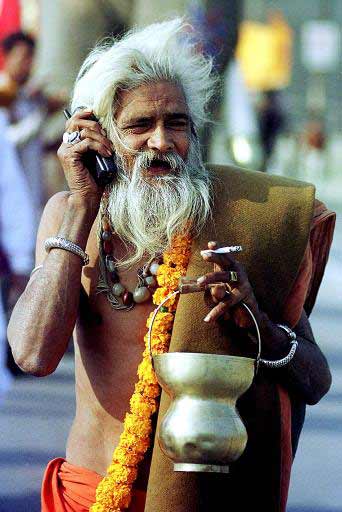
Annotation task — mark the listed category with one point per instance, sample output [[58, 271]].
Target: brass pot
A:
[[202, 430]]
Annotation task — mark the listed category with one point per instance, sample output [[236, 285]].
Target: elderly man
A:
[[136, 238]]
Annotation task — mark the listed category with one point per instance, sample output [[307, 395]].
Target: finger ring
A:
[[71, 138], [233, 276]]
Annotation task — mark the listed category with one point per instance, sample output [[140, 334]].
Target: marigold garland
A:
[[113, 493]]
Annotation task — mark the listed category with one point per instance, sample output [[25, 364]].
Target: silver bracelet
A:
[[283, 362], [58, 242]]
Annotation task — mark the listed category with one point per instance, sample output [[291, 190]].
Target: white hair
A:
[[162, 51]]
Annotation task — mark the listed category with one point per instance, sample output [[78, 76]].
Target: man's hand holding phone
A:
[[72, 156]]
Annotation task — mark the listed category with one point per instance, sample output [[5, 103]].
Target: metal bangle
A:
[[58, 242], [285, 360]]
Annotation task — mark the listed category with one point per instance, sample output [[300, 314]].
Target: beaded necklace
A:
[[109, 282]]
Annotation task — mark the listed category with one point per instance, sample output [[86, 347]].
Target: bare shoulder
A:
[[50, 222]]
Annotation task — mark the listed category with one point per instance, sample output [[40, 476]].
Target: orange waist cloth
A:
[[68, 488]]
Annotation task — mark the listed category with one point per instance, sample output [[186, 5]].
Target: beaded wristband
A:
[[57, 242], [285, 360]]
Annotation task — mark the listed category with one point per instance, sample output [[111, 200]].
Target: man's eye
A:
[[178, 124], [138, 127]]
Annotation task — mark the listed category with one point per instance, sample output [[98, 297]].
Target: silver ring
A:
[[71, 138]]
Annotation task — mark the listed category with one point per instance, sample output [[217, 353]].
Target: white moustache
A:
[[145, 159]]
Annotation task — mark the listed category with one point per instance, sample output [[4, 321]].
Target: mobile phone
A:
[[102, 169]]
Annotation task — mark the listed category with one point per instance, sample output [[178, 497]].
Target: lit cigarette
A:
[[223, 250]]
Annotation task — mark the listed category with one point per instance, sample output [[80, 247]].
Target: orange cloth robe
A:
[[69, 488]]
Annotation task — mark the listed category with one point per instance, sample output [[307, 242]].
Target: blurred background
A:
[[278, 112]]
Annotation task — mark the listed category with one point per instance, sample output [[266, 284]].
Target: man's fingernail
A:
[[207, 318], [201, 280]]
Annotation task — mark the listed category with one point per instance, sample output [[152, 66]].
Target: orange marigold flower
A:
[[158, 338], [173, 307], [126, 457], [150, 390], [168, 277], [142, 406], [140, 426], [146, 371], [122, 496], [179, 241], [122, 474], [104, 496], [158, 345], [130, 441], [162, 322], [160, 295], [179, 259], [157, 348]]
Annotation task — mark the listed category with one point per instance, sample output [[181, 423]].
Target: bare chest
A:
[[109, 344]]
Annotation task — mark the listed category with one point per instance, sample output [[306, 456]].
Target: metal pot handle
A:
[[149, 334], [257, 361], [173, 294]]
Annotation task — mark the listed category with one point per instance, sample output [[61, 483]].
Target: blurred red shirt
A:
[[10, 20]]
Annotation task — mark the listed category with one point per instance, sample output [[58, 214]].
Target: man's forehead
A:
[[151, 99]]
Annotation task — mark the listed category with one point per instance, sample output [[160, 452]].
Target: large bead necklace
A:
[[109, 282]]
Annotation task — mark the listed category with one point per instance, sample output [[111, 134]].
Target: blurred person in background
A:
[[150, 91], [27, 111], [271, 121], [17, 234], [264, 52]]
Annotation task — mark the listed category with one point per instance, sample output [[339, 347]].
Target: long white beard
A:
[[146, 212]]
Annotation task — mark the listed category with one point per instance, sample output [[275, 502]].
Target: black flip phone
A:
[[102, 169]]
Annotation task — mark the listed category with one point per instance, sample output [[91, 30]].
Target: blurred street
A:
[[37, 414], [35, 420]]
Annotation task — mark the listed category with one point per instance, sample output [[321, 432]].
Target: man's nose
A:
[[160, 140]]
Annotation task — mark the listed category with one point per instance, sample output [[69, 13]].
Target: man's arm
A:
[[307, 374], [44, 317]]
